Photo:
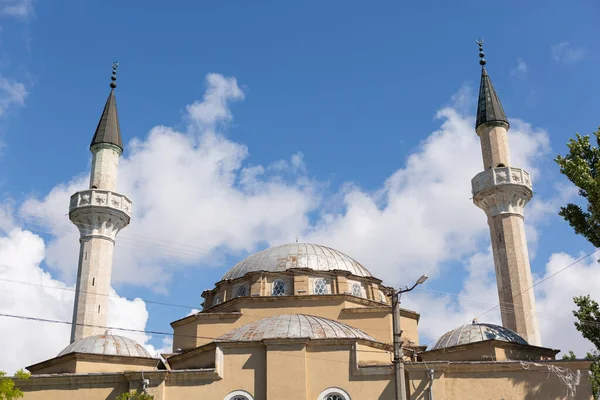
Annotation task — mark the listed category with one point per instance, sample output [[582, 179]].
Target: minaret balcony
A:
[[503, 190], [101, 198]]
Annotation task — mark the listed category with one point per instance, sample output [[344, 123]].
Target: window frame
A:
[[243, 393], [360, 289], [238, 288], [334, 390], [276, 281], [325, 288]]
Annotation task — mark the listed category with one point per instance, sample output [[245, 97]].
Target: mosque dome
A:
[[297, 255], [477, 332], [107, 344], [293, 326]]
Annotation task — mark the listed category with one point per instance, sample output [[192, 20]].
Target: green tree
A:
[[134, 395], [8, 389], [588, 323], [582, 166], [569, 356]]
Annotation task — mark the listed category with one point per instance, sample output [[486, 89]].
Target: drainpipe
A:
[[430, 373]]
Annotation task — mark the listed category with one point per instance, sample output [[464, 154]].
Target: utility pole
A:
[[399, 377]]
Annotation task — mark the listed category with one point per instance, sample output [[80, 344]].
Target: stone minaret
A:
[[99, 213], [502, 191]]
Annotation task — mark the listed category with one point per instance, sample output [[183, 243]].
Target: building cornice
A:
[[497, 343], [101, 358], [206, 315]]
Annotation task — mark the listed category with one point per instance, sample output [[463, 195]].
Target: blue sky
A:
[[353, 87]]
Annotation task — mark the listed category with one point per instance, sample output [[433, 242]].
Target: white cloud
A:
[[566, 53], [422, 215], [16, 8], [27, 342], [555, 301], [11, 93], [520, 70], [192, 198]]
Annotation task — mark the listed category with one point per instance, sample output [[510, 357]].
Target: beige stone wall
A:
[[494, 146], [286, 371], [93, 287], [329, 367], [495, 381], [513, 276], [105, 163], [376, 324]]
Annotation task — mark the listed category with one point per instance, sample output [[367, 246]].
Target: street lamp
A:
[[397, 336]]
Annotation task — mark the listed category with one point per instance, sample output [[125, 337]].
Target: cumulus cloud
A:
[[25, 342], [422, 215], [567, 53], [193, 198]]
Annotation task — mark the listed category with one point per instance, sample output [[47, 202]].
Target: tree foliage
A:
[[8, 389], [582, 167], [134, 395], [588, 323]]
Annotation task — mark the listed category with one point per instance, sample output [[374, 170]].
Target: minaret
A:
[[502, 191], [99, 213]]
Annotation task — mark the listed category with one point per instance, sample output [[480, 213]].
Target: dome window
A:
[[278, 287], [320, 286], [357, 289], [216, 301], [382, 297], [241, 291]]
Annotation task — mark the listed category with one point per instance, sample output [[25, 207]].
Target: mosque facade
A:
[[304, 321]]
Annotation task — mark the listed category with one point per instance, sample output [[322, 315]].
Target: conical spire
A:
[[489, 108], [108, 130]]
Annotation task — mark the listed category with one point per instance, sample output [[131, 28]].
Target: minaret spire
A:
[[502, 191], [489, 108], [108, 129], [100, 213]]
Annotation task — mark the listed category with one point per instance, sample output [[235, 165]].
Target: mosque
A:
[[304, 321]]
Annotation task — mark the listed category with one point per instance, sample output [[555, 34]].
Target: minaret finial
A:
[[481, 54], [113, 78]]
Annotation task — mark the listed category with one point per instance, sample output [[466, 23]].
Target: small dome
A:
[[107, 344], [477, 332], [297, 255], [290, 326]]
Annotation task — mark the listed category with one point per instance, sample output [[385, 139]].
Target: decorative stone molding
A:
[[101, 198], [99, 213], [503, 190]]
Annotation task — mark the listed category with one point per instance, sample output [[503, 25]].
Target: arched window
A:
[[278, 287], [239, 395], [216, 300], [334, 394], [241, 291], [356, 289], [382, 297], [320, 286]]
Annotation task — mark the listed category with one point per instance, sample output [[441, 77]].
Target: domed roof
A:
[[290, 326], [477, 332], [297, 255], [107, 344]]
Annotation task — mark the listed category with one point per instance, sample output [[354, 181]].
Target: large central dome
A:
[[297, 255]]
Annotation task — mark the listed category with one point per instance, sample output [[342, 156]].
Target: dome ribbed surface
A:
[[297, 255], [111, 345], [290, 326], [476, 332]]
